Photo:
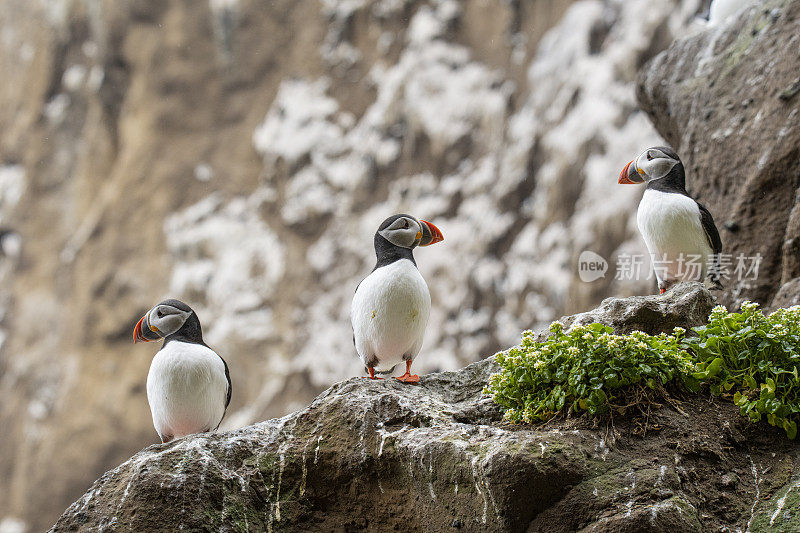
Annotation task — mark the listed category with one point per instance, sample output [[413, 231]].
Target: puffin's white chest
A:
[[671, 228], [389, 314], [186, 389]]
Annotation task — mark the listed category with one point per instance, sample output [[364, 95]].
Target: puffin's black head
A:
[[409, 232], [168, 318], [398, 235], [652, 164]]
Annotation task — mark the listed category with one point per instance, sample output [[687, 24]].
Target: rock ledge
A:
[[382, 455]]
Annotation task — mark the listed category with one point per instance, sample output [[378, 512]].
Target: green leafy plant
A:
[[755, 358], [585, 369], [751, 358]]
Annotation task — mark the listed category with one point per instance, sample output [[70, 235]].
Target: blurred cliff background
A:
[[239, 154]]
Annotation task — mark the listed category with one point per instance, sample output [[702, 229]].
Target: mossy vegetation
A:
[[747, 357]]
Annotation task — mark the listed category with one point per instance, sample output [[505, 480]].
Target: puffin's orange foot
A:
[[371, 374], [408, 378], [662, 291]]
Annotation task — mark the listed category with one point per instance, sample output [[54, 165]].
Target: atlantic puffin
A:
[[676, 228], [188, 385], [391, 306]]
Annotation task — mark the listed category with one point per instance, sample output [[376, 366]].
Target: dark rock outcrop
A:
[[380, 455], [727, 100]]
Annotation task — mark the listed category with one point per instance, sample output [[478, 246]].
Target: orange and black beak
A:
[[430, 234], [142, 332], [629, 175]]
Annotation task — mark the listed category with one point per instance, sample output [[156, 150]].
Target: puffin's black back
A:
[[386, 252]]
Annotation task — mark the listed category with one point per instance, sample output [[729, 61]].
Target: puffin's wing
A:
[[228, 396], [351, 316], [712, 235], [710, 228], [230, 387]]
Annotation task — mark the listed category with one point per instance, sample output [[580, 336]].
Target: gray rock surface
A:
[[380, 455], [685, 305]]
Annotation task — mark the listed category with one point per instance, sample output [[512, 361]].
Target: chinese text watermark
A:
[[634, 267]]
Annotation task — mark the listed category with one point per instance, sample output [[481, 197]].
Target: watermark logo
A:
[[632, 267], [591, 266]]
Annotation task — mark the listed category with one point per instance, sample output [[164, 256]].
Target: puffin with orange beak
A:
[[679, 232], [188, 385], [391, 306]]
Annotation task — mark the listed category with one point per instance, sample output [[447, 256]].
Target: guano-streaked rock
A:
[[377, 455]]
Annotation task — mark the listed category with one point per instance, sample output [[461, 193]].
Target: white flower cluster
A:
[[789, 315], [719, 311], [780, 329], [746, 306], [515, 358]]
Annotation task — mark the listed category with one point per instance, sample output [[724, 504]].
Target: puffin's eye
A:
[[159, 313], [649, 157], [405, 223]]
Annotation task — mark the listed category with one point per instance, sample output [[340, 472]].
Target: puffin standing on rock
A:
[[674, 225], [391, 306], [188, 385]]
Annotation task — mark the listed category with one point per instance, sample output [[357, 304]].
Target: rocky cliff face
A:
[[373, 456], [239, 154], [727, 100]]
